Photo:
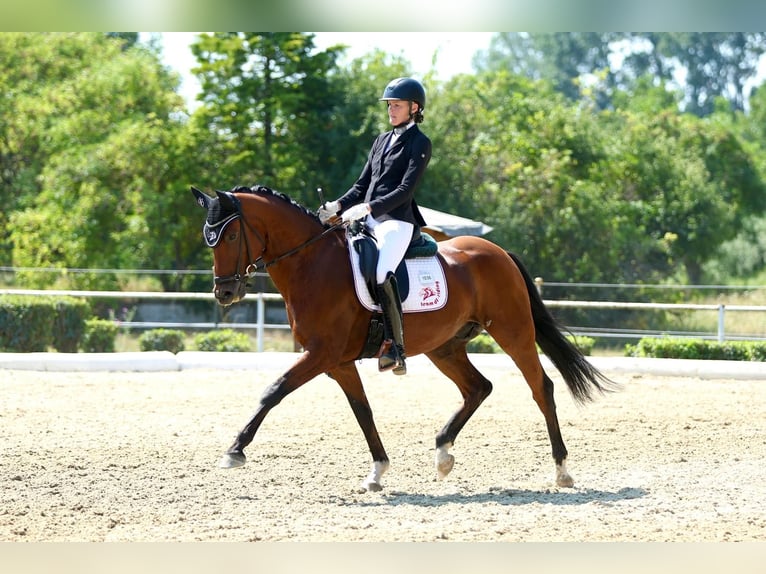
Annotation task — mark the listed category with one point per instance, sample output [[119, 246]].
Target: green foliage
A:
[[270, 98], [742, 256], [26, 323], [69, 325], [222, 340], [99, 336], [675, 208], [162, 340], [32, 324], [483, 343], [585, 344], [715, 64], [668, 347], [91, 147], [590, 173]]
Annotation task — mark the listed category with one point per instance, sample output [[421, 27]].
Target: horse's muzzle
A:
[[229, 292]]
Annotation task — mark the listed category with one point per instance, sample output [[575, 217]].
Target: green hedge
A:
[[31, 324], [222, 340], [585, 344], [677, 348], [162, 340], [26, 323], [99, 336], [69, 323], [483, 343]]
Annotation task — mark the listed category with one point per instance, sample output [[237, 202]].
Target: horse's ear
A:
[[203, 200], [228, 202]]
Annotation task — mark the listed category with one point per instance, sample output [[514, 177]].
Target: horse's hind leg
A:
[[348, 378], [452, 360], [520, 345]]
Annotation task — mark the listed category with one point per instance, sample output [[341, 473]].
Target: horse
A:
[[252, 229]]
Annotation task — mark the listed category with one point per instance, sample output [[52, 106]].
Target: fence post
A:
[[261, 320], [539, 284], [721, 317]]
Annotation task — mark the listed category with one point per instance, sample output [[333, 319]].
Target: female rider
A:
[[383, 196]]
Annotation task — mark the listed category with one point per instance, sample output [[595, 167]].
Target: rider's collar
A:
[[401, 128]]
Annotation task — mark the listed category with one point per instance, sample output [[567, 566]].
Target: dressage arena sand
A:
[[132, 456]]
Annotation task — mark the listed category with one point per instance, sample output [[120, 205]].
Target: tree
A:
[[102, 137], [711, 65], [511, 151], [270, 104], [744, 255], [29, 64], [586, 195], [715, 64], [563, 58]]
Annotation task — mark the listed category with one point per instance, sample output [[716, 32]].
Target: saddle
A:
[[361, 240], [420, 278]]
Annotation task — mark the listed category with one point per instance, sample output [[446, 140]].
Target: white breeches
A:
[[393, 237]]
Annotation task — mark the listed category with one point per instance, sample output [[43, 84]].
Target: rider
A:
[[383, 196]]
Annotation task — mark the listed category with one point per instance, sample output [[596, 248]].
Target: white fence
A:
[[260, 299], [720, 334]]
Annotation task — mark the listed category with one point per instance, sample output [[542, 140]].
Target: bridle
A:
[[258, 264]]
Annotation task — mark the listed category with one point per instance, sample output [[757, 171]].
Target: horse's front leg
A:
[[301, 372], [347, 376]]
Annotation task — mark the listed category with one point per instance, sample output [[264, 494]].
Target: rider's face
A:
[[399, 111]]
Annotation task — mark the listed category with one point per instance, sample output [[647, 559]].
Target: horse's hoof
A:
[[565, 481], [370, 487], [372, 482], [444, 461], [562, 475], [232, 460], [445, 467]]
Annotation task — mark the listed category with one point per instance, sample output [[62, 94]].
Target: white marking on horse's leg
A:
[[372, 482], [444, 461], [562, 475]]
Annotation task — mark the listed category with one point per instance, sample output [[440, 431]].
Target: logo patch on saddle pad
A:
[[427, 285]]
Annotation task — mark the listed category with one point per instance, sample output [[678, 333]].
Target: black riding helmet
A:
[[406, 89]]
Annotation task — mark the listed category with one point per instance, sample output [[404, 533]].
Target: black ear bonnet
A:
[[219, 215]]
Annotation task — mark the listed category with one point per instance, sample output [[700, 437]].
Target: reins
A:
[[291, 252], [258, 264]]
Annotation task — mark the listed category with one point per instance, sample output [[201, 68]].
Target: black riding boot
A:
[[388, 295]]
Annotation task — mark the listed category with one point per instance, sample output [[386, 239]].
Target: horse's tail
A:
[[580, 375]]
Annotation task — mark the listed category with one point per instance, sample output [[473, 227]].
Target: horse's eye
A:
[[232, 236]]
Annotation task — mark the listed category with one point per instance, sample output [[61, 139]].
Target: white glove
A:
[[355, 212], [328, 210]]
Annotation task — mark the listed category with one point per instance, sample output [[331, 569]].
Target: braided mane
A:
[[263, 190]]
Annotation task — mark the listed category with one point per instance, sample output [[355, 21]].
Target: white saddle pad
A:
[[428, 285]]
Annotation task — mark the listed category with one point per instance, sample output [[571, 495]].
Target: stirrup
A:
[[392, 359], [387, 363]]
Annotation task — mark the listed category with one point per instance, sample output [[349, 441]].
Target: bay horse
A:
[[257, 228]]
